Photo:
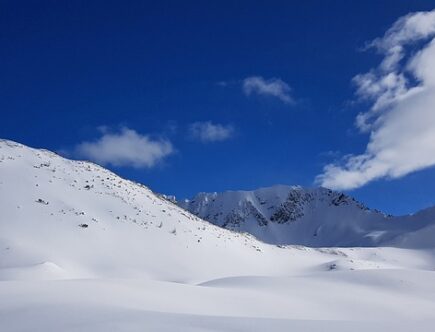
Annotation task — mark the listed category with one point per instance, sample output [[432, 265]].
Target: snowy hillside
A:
[[82, 249], [309, 216], [73, 218]]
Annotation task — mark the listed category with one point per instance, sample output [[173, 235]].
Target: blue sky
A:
[[205, 96]]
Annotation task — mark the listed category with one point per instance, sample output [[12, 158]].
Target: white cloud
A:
[[273, 87], [210, 132], [125, 148], [401, 120]]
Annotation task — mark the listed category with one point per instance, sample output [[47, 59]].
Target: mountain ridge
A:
[[284, 214]]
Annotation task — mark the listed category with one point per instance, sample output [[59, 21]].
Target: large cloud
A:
[[401, 120], [125, 148], [210, 132], [273, 87]]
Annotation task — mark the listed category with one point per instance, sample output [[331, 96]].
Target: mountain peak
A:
[[312, 216]]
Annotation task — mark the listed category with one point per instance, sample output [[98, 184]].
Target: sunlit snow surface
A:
[[84, 250]]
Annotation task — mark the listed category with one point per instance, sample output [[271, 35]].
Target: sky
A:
[[210, 96]]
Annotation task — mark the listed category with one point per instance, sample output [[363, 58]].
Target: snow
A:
[[339, 301], [144, 264], [316, 217]]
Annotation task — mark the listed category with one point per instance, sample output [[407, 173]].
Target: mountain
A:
[[65, 218], [316, 217], [82, 249]]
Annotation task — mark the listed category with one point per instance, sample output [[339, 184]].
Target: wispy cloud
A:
[[273, 87], [125, 148], [210, 132], [401, 119]]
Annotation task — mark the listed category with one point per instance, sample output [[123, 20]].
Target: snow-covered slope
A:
[[71, 218], [82, 249], [310, 216]]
